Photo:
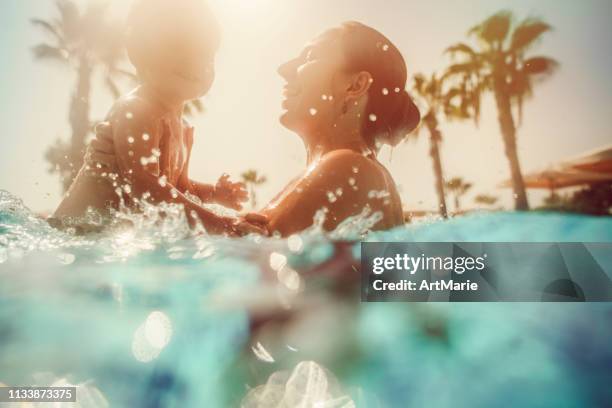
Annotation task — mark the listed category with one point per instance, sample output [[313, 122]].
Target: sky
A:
[[570, 112]]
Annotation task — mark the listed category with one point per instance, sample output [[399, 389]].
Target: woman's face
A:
[[313, 89]]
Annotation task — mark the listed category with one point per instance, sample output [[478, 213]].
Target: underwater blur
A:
[[156, 316]]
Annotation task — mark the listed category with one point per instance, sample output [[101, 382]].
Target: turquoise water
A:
[[155, 316]]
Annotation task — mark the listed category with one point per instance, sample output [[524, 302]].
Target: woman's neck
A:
[[319, 144]]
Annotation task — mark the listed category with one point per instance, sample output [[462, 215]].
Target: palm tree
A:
[[500, 65], [431, 94], [458, 187], [251, 178], [83, 41], [485, 199]]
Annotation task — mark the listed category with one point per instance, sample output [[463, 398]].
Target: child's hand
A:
[[230, 194]]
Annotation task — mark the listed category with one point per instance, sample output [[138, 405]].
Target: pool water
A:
[[157, 316]]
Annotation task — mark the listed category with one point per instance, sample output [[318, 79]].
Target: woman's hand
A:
[[252, 223], [100, 154], [230, 194]]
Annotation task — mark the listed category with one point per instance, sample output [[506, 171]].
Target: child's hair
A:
[[158, 29]]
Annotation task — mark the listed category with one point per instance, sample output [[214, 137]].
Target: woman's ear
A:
[[359, 85]]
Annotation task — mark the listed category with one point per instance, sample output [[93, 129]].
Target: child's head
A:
[[172, 44]]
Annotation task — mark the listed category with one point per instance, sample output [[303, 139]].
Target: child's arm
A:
[[225, 192], [136, 136]]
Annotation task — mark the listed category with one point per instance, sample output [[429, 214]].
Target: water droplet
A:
[[355, 169], [339, 192], [312, 111], [277, 261], [130, 140], [127, 188], [396, 90], [331, 197], [131, 153], [129, 115], [156, 152], [151, 337], [289, 278], [351, 181], [158, 329], [295, 244], [174, 193], [261, 353], [145, 136], [372, 117], [385, 91], [144, 161], [324, 97], [66, 258], [385, 47]]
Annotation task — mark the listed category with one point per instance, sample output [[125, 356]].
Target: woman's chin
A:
[[285, 119]]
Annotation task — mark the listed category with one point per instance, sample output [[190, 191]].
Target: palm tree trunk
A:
[[253, 197], [434, 152], [457, 206], [79, 119], [508, 130]]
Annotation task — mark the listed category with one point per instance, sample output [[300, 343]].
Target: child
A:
[[143, 149]]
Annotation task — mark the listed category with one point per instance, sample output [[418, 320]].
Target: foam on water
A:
[[156, 314]]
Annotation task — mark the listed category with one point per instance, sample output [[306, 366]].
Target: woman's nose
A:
[[287, 70]]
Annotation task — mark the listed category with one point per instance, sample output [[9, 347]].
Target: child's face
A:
[[188, 73]]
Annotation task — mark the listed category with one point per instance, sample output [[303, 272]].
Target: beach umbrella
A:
[[560, 177], [596, 161]]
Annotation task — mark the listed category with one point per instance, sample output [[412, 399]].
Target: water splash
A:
[[308, 385]]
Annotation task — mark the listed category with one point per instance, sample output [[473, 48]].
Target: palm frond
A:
[[460, 48], [463, 69], [494, 29], [49, 28], [527, 33], [419, 83], [49, 52], [540, 66], [69, 22]]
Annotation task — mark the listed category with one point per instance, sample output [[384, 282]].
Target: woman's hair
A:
[[157, 29], [390, 113]]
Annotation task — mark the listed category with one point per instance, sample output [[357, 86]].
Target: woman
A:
[[345, 98]]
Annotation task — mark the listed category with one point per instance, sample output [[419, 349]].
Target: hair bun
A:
[[404, 121]]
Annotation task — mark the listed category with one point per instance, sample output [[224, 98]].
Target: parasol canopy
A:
[[596, 161], [552, 179]]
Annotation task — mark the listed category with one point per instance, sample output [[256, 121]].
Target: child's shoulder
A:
[[133, 108]]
